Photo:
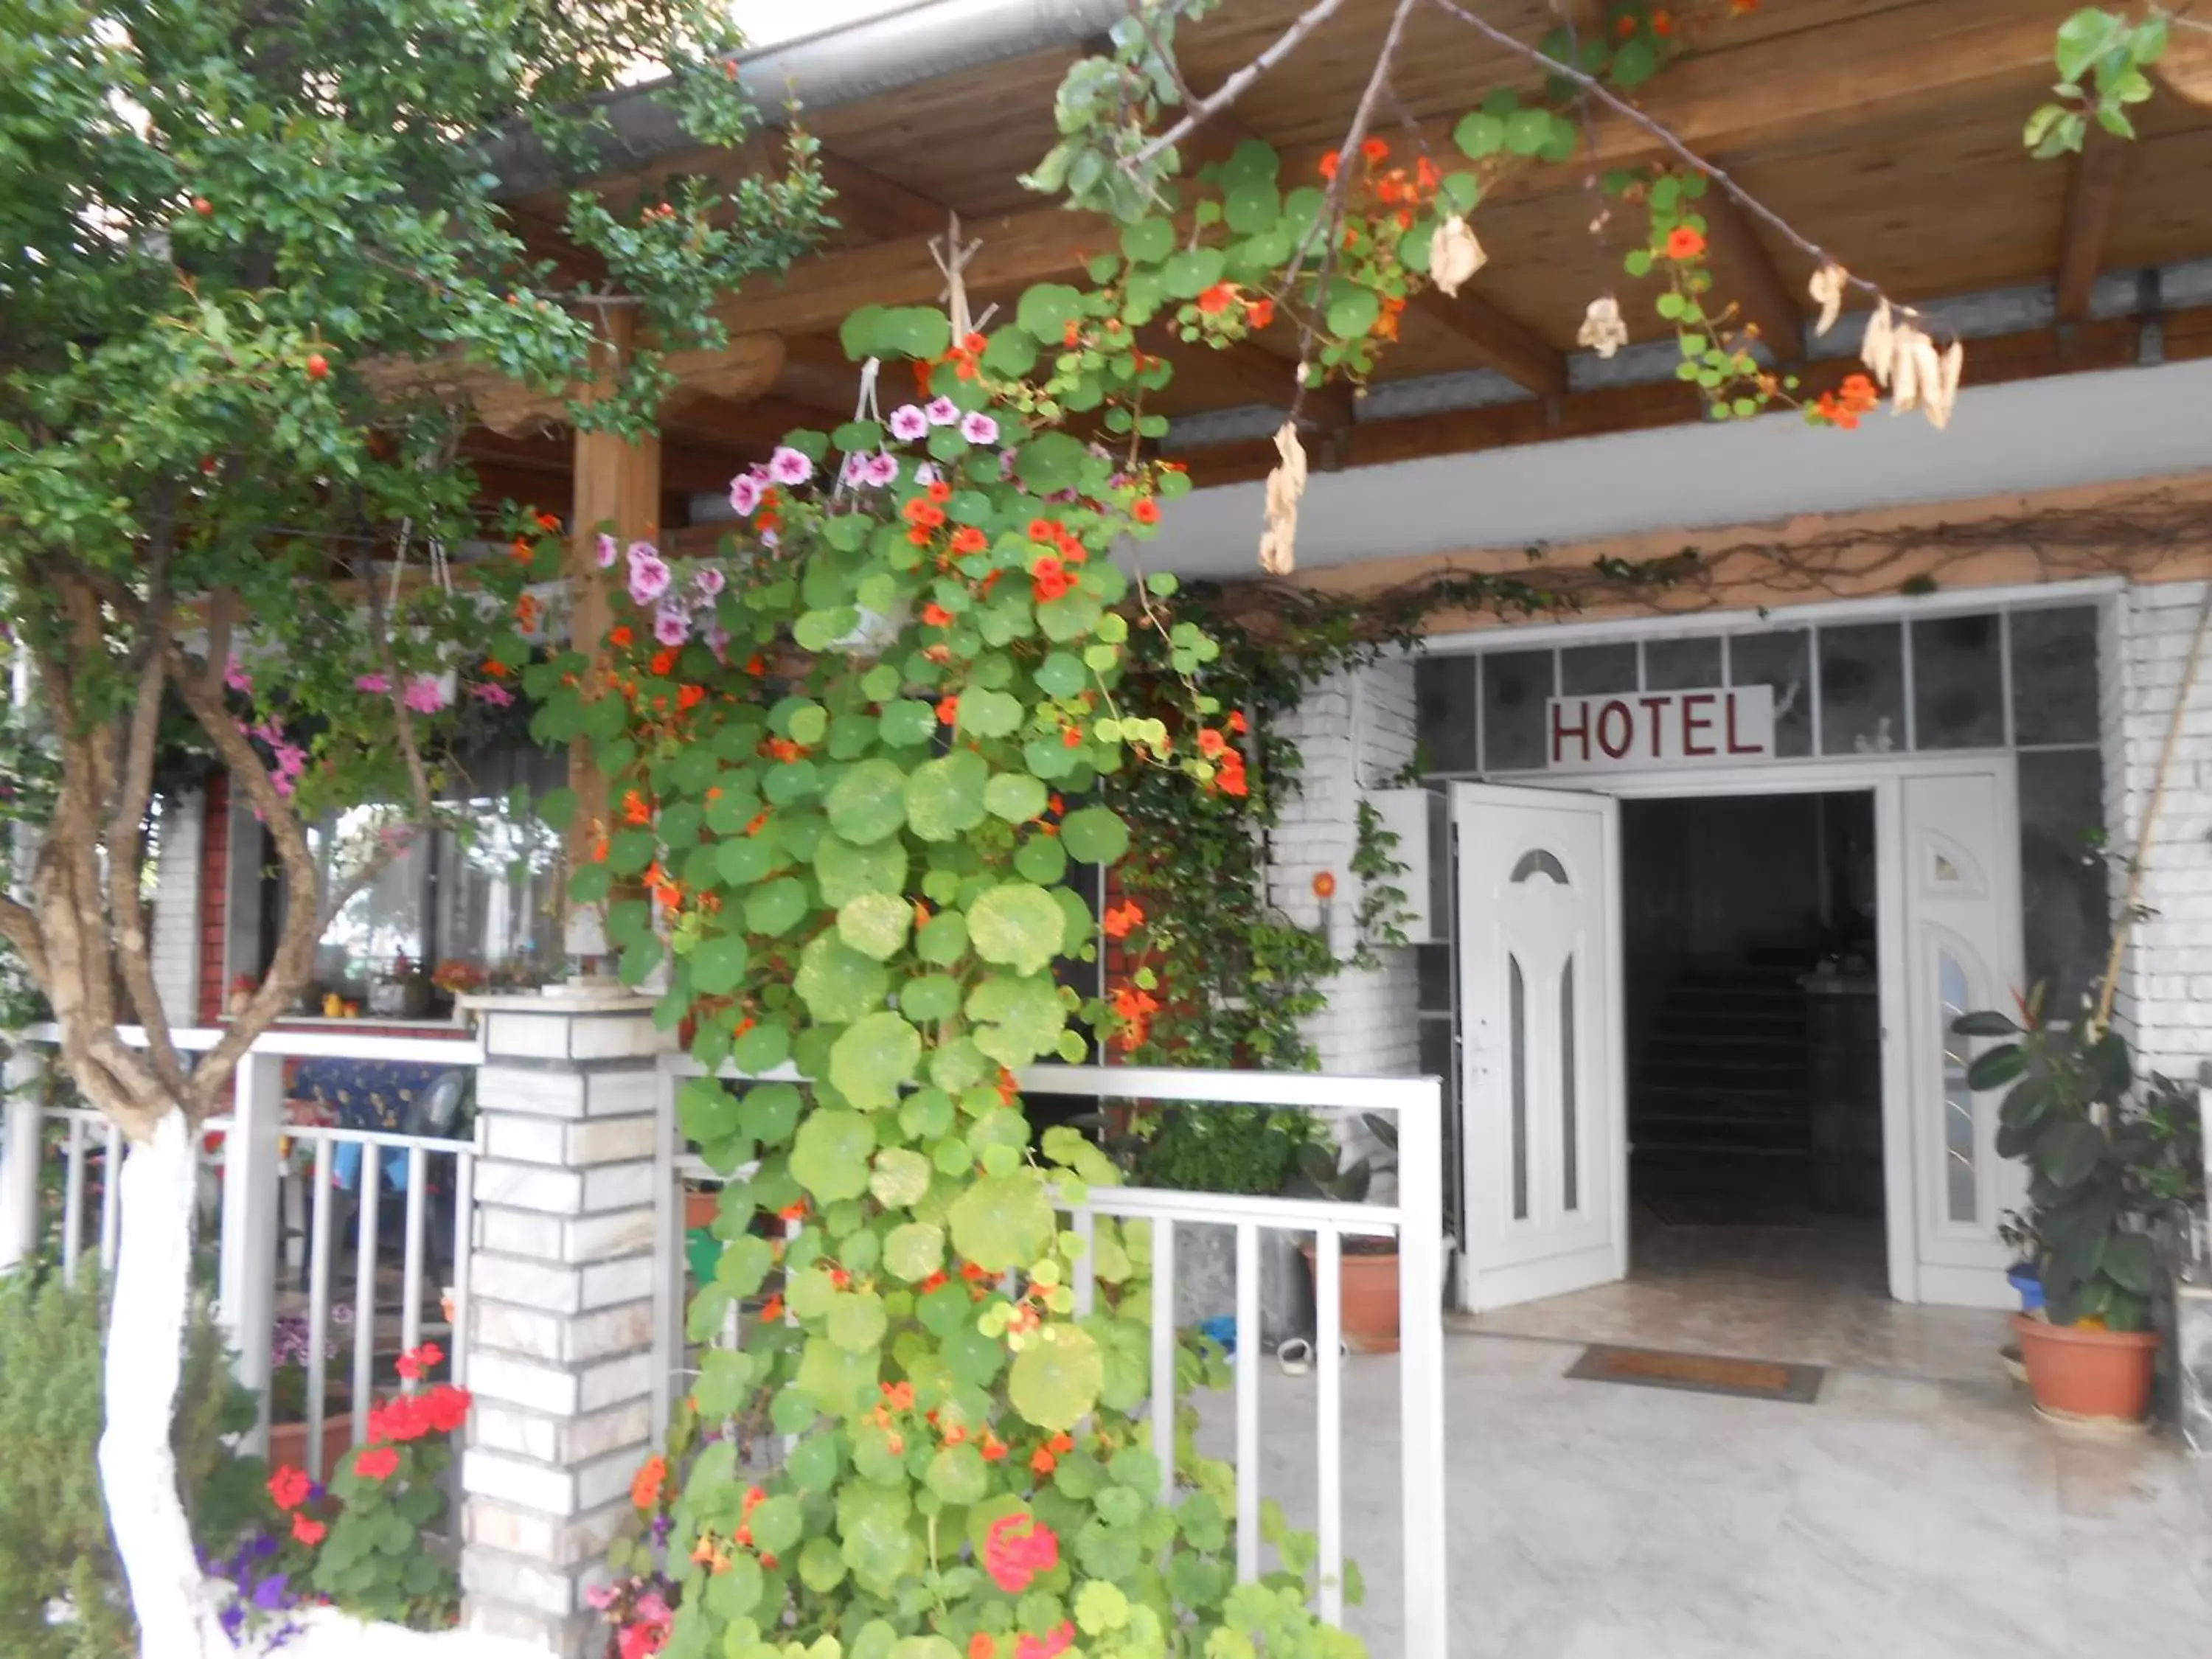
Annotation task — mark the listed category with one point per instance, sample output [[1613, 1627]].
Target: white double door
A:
[[1544, 1139]]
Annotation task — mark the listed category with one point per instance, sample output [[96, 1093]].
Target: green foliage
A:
[[2104, 1159], [54, 1540], [1380, 921], [2102, 61], [1224, 1149]]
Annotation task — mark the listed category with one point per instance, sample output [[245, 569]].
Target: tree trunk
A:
[[176, 1604]]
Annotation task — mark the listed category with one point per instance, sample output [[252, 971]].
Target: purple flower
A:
[[424, 694], [671, 626], [607, 551], [909, 424], [493, 693], [648, 576], [924, 474], [977, 427], [880, 470], [268, 1594], [709, 582], [744, 494], [941, 411], [789, 466], [375, 684]]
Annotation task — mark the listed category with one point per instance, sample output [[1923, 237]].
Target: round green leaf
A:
[[821, 1568], [1148, 241], [915, 1250], [874, 924], [777, 908], [933, 996], [902, 1177], [987, 714], [1189, 274], [718, 965], [829, 1154], [869, 802], [1014, 796], [1016, 1018], [1045, 310], [1042, 860], [1094, 835], [735, 1592], [907, 723], [945, 796], [873, 1057], [1055, 1384], [958, 1474], [1050, 462], [844, 871], [837, 983], [943, 938], [1003, 1222], [857, 1322], [745, 860], [1018, 923], [776, 1524]]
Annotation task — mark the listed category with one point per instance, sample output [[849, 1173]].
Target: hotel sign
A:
[[1625, 729]]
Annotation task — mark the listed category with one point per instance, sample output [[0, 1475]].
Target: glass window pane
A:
[[2062, 881], [1863, 689], [1958, 682], [1681, 665], [2054, 675], [1593, 668], [1570, 1140], [1517, 1126], [1515, 686], [1445, 712], [1957, 1098], [1783, 660], [1538, 862], [1432, 969], [378, 925]]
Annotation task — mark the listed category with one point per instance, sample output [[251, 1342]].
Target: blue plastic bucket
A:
[[2029, 1283]]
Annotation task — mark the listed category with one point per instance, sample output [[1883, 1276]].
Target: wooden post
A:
[[617, 493]]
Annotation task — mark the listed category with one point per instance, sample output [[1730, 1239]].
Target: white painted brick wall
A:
[[1355, 732], [2165, 981], [176, 936]]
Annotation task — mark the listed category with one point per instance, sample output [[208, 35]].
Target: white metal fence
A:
[[1416, 1221], [286, 1217]]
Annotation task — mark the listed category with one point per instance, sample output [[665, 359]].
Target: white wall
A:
[[1355, 732], [2165, 1002], [176, 940]]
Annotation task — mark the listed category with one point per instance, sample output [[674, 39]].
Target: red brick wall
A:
[[214, 897]]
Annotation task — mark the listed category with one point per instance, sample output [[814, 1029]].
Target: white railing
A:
[[280, 1212], [1416, 1221]]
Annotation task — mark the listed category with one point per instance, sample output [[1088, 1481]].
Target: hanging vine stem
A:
[[1591, 86], [1238, 84]]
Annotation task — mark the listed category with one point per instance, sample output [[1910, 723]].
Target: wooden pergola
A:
[[1887, 131]]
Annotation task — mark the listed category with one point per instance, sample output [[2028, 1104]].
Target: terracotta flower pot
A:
[[2089, 1375], [700, 1209], [288, 1444], [1368, 1286]]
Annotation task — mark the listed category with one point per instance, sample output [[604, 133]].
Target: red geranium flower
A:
[[375, 1462], [418, 1363], [310, 1533], [289, 1487]]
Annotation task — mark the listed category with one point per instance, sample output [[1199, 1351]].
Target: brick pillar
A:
[[561, 1306]]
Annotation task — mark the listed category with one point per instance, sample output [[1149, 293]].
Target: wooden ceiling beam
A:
[[2093, 191], [1502, 341], [1746, 276]]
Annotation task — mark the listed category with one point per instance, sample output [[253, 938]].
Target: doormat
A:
[[1700, 1373]]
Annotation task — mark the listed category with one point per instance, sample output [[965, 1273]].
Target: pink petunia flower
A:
[[235, 676], [789, 466], [424, 694], [671, 626], [718, 641], [977, 427], [941, 411], [599, 1597], [709, 582], [744, 494], [880, 470], [608, 549], [492, 692], [648, 576], [375, 684], [909, 424]]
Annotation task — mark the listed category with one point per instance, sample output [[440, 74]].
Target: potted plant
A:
[[288, 1352], [456, 977], [1368, 1268], [2071, 1111], [404, 993]]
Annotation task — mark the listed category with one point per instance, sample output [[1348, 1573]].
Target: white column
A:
[[246, 1270], [571, 1111], [20, 1156]]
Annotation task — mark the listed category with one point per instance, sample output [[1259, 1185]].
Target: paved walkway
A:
[[1897, 1518]]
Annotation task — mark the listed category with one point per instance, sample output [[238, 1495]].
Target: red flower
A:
[[620, 637], [1043, 530], [310, 1533], [1328, 164], [418, 1363], [934, 615], [1145, 510], [1120, 918], [969, 540], [1237, 722], [1218, 299], [1049, 577], [1071, 737], [690, 696], [1211, 743], [1047, 1647], [948, 709], [1684, 243], [644, 1486], [318, 366], [1231, 779], [1259, 312], [289, 1487], [921, 515], [1018, 1548], [1044, 1462], [446, 1408], [375, 1462], [635, 810], [980, 1646]]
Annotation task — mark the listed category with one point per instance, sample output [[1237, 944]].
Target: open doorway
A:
[[1751, 1028]]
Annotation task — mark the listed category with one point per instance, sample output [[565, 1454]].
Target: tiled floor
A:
[[1919, 1510]]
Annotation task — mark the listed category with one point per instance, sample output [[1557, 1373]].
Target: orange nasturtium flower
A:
[[1684, 243], [644, 1486], [1120, 918]]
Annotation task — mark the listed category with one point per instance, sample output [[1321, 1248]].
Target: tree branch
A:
[[1240, 83]]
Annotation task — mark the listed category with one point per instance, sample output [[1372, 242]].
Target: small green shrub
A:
[[1224, 1149], [54, 1540]]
